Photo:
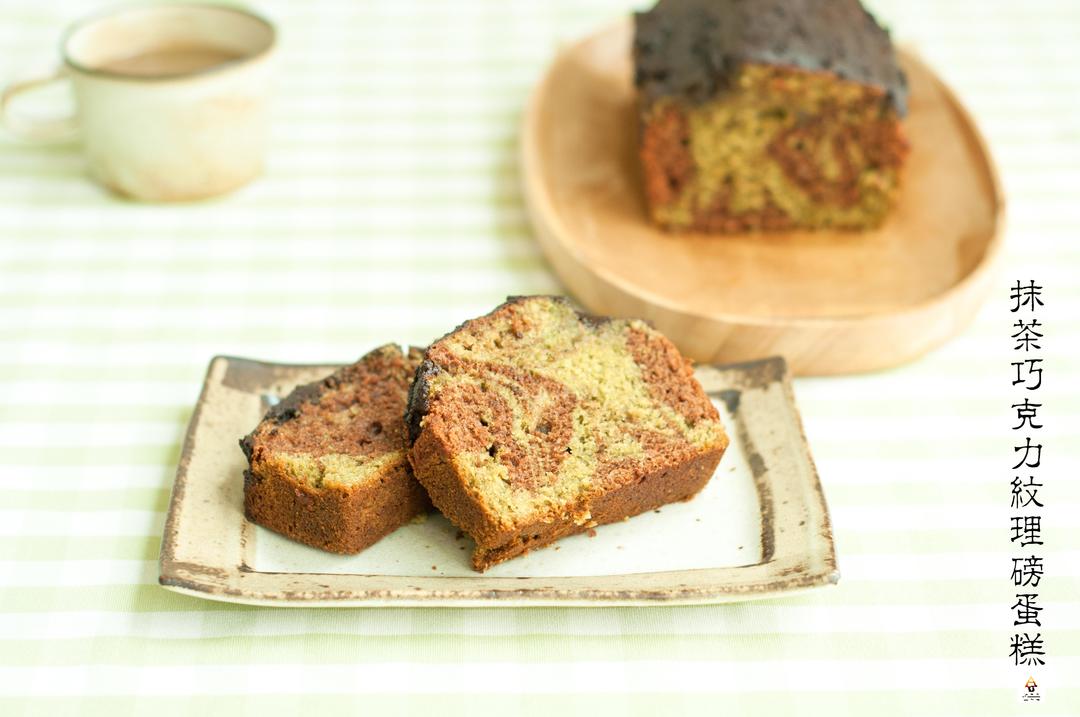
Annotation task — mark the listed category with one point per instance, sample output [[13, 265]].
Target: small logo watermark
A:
[[1031, 691]]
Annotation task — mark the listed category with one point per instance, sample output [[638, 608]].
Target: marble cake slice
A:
[[535, 422], [327, 464]]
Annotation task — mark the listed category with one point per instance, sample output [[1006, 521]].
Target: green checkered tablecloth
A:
[[391, 209]]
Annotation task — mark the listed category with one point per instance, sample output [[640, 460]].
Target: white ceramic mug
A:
[[185, 127]]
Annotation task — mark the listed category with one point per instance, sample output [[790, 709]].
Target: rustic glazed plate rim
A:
[[796, 554]]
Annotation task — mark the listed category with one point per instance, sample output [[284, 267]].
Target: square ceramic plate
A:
[[759, 529]]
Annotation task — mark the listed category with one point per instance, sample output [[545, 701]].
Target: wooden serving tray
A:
[[831, 302]]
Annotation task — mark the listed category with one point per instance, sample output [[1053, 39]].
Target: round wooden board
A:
[[831, 302]]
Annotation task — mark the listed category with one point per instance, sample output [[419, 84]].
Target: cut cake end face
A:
[[772, 115], [535, 421], [327, 464]]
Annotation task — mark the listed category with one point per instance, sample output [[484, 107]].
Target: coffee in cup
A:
[[170, 99]]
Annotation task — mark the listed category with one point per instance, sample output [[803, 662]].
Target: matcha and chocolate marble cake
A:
[[328, 465], [535, 422], [768, 114]]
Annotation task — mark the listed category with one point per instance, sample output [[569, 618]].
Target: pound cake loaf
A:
[[535, 422], [327, 464], [768, 114]]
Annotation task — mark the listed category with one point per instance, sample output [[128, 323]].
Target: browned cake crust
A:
[[327, 465], [629, 495], [521, 412]]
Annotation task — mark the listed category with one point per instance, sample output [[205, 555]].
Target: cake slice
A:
[[535, 422], [771, 114], [328, 465]]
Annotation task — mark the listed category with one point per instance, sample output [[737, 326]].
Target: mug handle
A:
[[54, 129]]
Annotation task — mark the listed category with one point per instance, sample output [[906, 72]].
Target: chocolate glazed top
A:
[[689, 48]]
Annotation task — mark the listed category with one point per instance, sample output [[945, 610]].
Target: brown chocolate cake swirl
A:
[[535, 422], [327, 465]]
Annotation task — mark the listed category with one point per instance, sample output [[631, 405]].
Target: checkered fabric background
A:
[[391, 209]]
